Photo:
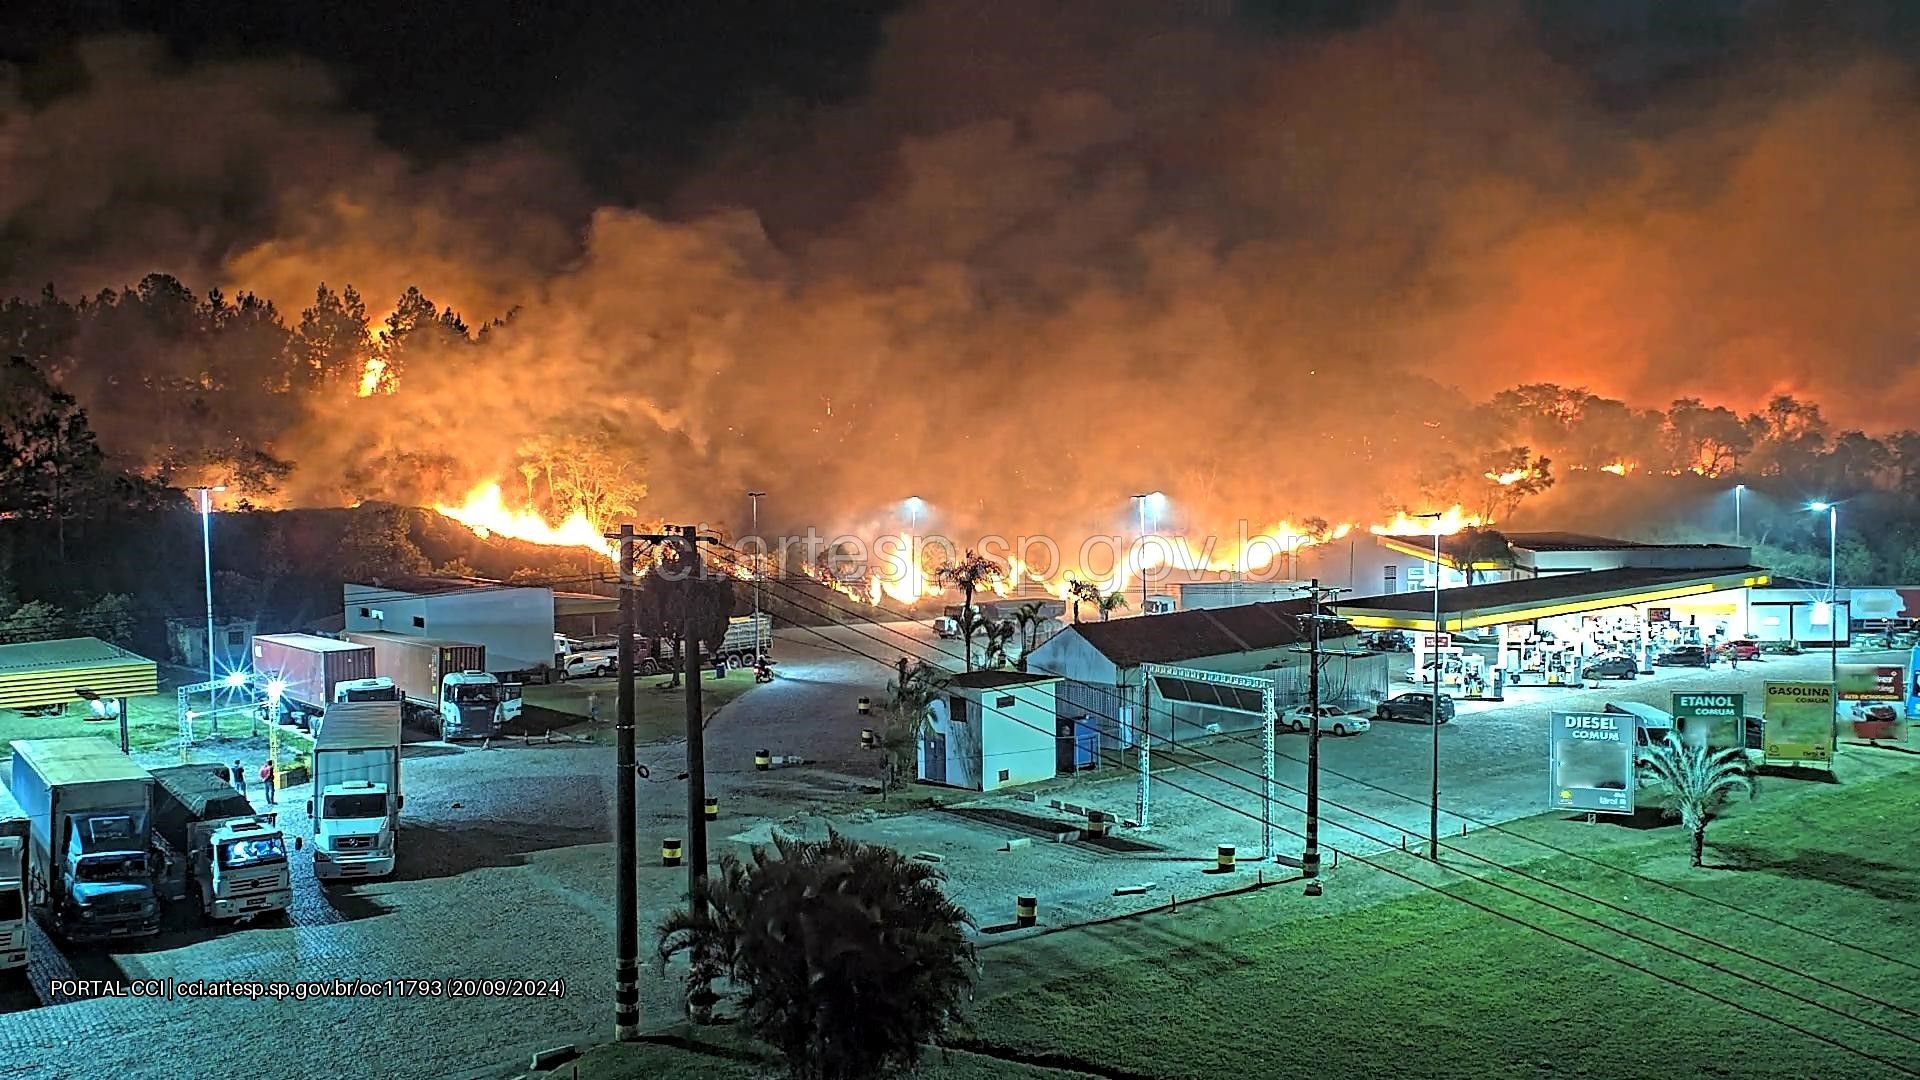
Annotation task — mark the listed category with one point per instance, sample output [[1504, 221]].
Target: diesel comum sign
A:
[[1592, 763]]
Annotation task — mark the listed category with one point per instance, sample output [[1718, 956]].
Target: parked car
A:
[[1334, 720], [1684, 656], [1741, 649], [1415, 706], [1615, 666], [1388, 641]]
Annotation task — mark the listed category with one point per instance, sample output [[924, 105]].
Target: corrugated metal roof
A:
[[1597, 586], [35, 673], [1186, 635]]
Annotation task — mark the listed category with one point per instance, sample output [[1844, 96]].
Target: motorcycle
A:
[[763, 670]]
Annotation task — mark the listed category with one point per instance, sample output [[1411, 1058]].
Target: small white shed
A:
[[990, 730]]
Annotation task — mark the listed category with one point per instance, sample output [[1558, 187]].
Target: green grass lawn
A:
[[1424, 985], [658, 714], [152, 723]]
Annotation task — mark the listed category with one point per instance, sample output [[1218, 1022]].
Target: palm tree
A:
[[845, 958], [1110, 601], [969, 573], [1000, 634], [903, 718], [1081, 592], [1698, 782], [1028, 618]]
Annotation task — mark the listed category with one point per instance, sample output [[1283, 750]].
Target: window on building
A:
[[1004, 702], [366, 613], [420, 622], [236, 638]]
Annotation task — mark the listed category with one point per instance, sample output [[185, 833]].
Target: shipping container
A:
[[309, 666], [417, 665]]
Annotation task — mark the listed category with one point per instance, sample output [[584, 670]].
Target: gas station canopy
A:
[[1527, 599], [36, 673]]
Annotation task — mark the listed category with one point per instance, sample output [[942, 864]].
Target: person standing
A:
[[269, 783], [239, 775], [593, 708]]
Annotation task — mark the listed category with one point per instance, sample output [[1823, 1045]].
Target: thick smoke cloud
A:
[[1054, 257]]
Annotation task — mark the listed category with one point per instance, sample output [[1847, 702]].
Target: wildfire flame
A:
[[1618, 468], [1446, 524], [371, 376], [486, 512], [1511, 476]]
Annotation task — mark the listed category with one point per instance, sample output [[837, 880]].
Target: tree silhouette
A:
[[49, 462], [968, 573]]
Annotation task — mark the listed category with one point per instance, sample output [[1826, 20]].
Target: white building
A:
[[1100, 664], [514, 622], [990, 730]]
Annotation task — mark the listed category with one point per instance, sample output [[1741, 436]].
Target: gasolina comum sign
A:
[[1592, 762]]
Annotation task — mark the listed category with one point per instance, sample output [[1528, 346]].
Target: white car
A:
[[588, 665], [1334, 720]]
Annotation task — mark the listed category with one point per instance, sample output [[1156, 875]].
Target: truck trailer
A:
[[13, 883], [356, 788], [444, 684], [232, 860], [89, 809], [305, 668]]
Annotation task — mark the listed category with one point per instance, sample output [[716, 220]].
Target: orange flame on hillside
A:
[[372, 376], [1511, 476], [1618, 468], [486, 512], [1453, 521]]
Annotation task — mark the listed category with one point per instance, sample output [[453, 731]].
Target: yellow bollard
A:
[[670, 852], [866, 738], [1026, 910], [1224, 858], [762, 760], [713, 808], [865, 706]]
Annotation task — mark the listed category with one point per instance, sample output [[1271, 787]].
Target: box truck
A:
[[13, 883], [444, 684], [232, 861], [305, 668], [89, 809], [356, 790]]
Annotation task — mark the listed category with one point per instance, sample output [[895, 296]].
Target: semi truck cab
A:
[[379, 688], [471, 705], [353, 830]]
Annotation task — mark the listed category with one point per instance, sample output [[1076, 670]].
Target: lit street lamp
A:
[[1157, 499], [1833, 586], [1737, 489], [914, 504], [206, 563]]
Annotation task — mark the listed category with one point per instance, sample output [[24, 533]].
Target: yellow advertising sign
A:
[[1799, 722]]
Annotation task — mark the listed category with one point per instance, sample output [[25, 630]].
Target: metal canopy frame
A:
[[1210, 690]]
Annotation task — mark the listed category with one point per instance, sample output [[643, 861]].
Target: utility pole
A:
[[759, 649], [1310, 858], [696, 735], [1433, 810], [626, 963], [206, 565], [686, 538]]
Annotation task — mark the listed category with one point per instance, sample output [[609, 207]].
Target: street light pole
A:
[[1833, 593], [1737, 489], [1142, 566], [759, 650], [1433, 810], [206, 565]]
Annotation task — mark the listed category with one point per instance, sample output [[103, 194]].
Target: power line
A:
[[1594, 950], [1498, 866], [1507, 831]]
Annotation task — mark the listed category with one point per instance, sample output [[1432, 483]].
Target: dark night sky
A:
[[635, 92]]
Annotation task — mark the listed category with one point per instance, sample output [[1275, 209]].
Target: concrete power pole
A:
[[626, 963], [696, 734], [1310, 858]]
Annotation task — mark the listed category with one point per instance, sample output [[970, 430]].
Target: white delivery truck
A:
[[13, 883], [356, 790], [88, 875], [228, 858]]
